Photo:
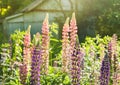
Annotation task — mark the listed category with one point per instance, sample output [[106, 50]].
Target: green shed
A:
[[34, 14]]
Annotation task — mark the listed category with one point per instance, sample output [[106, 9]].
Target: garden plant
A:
[[45, 59]]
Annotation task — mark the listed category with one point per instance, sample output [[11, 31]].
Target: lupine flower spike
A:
[[23, 73], [73, 32], [36, 65], [112, 49], [105, 71], [76, 64], [45, 45], [25, 66], [73, 35], [26, 49], [114, 59], [65, 46]]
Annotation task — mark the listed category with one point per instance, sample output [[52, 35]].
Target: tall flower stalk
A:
[[73, 32], [112, 53], [25, 65], [23, 73], [76, 64], [105, 71], [65, 46], [45, 45], [26, 49], [36, 65]]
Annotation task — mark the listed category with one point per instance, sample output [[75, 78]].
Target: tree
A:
[[109, 22], [9, 7]]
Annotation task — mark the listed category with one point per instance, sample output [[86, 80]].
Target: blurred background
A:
[[93, 16]]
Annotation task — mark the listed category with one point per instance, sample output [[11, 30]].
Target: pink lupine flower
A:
[[26, 49], [112, 47], [73, 32], [23, 73], [65, 46], [112, 50], [45, 45], [27, 38]]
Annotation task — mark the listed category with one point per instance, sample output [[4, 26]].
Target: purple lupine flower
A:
[[23, 73], [105, 71], [76, 62], [35, 66]]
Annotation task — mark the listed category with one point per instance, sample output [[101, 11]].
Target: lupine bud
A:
[[65, 46], [45, 45], [27, 37], [23, 73], [76, 64], [105, 71], [35, 66]]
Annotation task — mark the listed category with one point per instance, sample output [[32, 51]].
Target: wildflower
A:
[[112, 49], [27, 37], [45, 45], [23, 73], [35, 66], [26, 49], [76, 64], [105, 71], [65, 46], [73, 32]]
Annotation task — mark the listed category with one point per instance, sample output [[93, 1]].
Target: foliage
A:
[[55, 45], [55, 77], [109, 21], [94, 48], [8, 8], [9, 73], [98, 16], [11, 55], [17, 43]]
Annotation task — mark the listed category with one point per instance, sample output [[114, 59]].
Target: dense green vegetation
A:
[[98, 20], [96, 17], [12, 55]]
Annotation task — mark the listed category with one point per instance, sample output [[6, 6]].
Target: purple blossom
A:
[[105, 71], [35, 66], [76, 64]]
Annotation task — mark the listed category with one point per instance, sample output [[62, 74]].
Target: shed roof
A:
[[13, 16], [26, 9], [32, 5]]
